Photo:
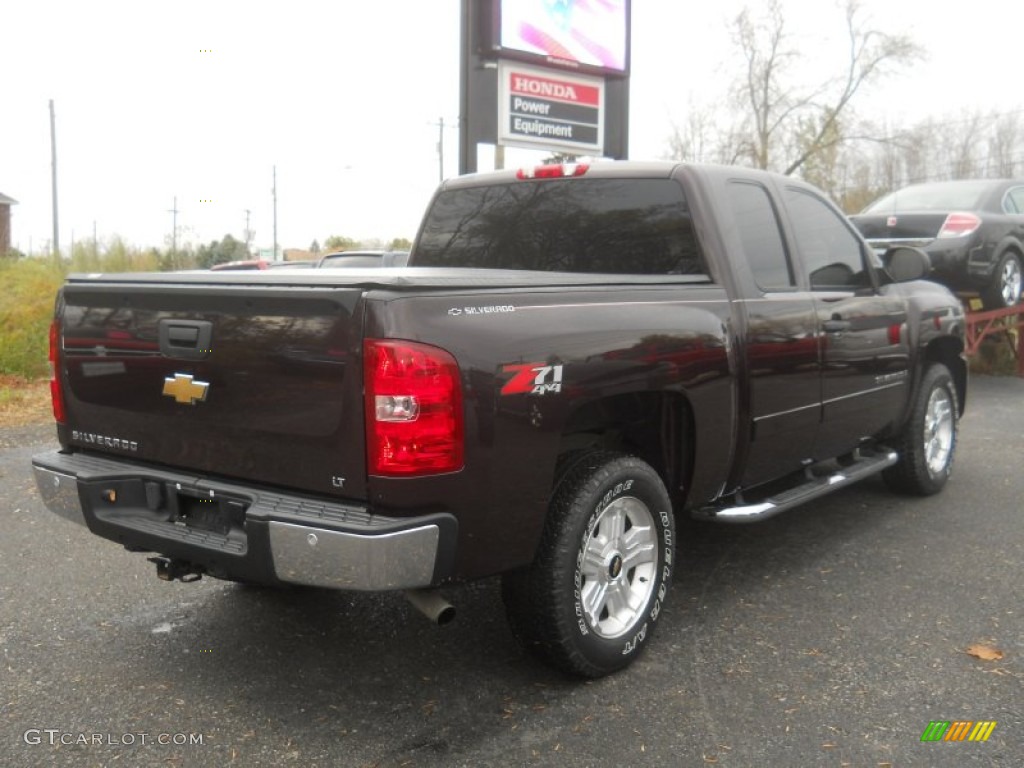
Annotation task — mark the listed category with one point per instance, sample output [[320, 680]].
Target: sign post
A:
[[546, 76]]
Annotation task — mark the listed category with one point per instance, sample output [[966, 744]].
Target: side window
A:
[[831, 253], [1014, 200], [758, 228]]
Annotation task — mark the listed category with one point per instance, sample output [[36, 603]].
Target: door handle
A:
[[836, 325]]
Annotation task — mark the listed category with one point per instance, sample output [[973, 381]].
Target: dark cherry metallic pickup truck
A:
[[573, 356]]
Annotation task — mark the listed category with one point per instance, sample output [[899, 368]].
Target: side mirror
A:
[[903, 263]]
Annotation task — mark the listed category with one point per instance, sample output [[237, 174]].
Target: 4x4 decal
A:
[[532, 378]]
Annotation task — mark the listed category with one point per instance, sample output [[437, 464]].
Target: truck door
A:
[[865, 353], [782, 363]]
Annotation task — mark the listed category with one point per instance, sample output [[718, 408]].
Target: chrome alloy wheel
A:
[[1010, 282], [619, 558], [938, 431]]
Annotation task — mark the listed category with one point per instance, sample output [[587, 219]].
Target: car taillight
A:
[[413, 408], [553, 171], [56, 393], [959, 224]]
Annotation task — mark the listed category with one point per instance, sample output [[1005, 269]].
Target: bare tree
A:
[[826, 167], [786, 124], [1003, 144], [693, 140], [960, 143], [933, 149], [764, 45]]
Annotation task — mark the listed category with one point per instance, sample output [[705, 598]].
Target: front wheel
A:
[[1005, 288], [589, 602], [927, 444]]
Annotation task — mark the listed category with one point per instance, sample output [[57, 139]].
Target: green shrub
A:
[[28, 288], [996, 355]]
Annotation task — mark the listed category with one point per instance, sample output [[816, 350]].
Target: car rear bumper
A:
[[242, 532]]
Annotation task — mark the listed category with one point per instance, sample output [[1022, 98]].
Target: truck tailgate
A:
[[243, 381]]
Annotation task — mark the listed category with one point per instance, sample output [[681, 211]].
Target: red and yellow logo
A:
[[532, 378]]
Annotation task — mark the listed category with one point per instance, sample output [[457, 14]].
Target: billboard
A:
[[588, 35], [548, 75]]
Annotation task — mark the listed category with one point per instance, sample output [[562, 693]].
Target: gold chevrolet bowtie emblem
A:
[[184, 390]]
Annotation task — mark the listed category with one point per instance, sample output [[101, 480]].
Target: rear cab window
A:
[[605, 226], [757, 225]]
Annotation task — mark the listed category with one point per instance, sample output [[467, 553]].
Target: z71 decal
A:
[[532, 379]]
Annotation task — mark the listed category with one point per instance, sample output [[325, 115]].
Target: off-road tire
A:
[[589, 602], [927, 444]]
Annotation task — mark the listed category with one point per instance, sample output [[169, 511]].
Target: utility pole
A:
[[248, 233], [174, 228], [95, 247], [273, 191], [53, 180], [440, 150]]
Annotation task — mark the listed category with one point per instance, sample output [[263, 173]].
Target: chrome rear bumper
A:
[[286, 538]]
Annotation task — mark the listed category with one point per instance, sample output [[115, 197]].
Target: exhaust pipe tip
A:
[[431, 604]]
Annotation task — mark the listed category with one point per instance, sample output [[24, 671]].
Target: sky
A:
[[199, 102]]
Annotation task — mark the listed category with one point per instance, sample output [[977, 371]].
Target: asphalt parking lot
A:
[[831, 635]]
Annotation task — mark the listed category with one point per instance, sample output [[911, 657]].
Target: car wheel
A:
[[927, 445], [1005, 288], [589, 602]]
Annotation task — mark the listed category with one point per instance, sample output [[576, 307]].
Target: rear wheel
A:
[[589, 601], [927, 444], [1005, 288]]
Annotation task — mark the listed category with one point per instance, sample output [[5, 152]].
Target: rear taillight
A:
[[553, 171], [413, 409], [959, 224], [56, 393]]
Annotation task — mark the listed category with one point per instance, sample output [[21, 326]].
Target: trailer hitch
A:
[[169, 570]]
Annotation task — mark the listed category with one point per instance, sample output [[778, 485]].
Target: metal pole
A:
[[248, 233], [440, 150], [53, 180], [274, 192], [1020, 340], [174, 228]]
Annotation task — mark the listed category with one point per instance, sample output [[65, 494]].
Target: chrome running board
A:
[[812, 488]]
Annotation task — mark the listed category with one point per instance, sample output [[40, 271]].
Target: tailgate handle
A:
[[185, 339], [180, 336]]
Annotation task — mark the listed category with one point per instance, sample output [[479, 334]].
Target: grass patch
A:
[[24, 401], [26, 309]]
